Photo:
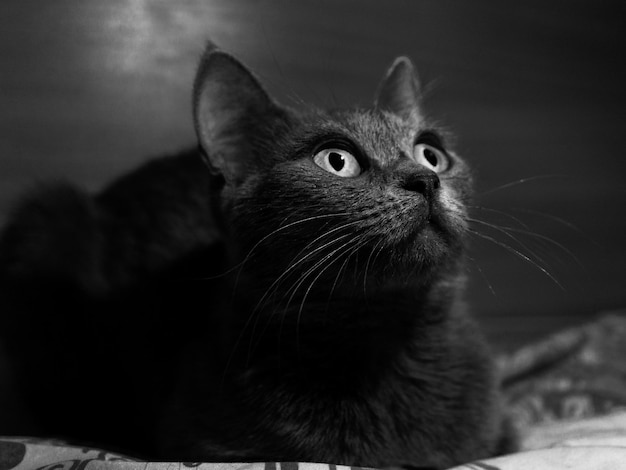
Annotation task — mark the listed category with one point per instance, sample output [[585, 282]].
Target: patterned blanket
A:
[[567, 396]]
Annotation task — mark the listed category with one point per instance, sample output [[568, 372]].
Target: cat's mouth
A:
[[407, 244], [418, 221]]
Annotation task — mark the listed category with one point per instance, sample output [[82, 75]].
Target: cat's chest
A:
[[379, 426], [400, 413]]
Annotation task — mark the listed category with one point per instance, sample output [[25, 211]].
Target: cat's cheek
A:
[[455, 212]]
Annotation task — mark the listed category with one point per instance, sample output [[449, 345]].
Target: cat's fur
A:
[[260, 307]]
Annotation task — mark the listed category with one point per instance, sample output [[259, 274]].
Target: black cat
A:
[[299, 298]]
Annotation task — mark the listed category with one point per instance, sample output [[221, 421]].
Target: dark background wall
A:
[[535, 91]]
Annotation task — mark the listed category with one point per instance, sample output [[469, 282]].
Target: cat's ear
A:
[[399, 92], [231, 112]]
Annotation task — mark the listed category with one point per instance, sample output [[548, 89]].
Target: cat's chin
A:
[[427, 248], [430, 235]]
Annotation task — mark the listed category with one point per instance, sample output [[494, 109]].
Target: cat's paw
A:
[[509, 438]]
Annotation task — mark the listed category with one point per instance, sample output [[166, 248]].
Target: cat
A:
[[291, 290]]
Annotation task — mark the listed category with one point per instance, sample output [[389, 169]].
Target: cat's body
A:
[[301, 301], [98, 318]]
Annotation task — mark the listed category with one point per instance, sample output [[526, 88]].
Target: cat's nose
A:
[[420, 180], [425, 184]]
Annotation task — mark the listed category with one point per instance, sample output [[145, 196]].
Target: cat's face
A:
[[375, 192]]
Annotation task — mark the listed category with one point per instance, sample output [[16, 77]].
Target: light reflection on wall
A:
[[151, 39]]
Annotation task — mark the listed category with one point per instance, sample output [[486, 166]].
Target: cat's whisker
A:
[[341, 272], [502, 213], [518, 254], [255, 311], [505, 231], [359, 243], [274, 286], [521, 181], [550, 241], [337, 277], [324, 235], [298, 282], [367, 264], [297, 260], [291, 224], [536, 236], [296, 285], [558, 220], [240, 264], [249, 255], [308, 290], [412, 273], [278, 230], [380, 250], [482, 274], [293, 264]]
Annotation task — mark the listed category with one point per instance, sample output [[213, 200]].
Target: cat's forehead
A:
[[383, 136]]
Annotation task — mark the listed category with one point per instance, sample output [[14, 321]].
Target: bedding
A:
[[566, 395]]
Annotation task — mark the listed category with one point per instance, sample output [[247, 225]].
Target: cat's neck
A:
[[347, 334]]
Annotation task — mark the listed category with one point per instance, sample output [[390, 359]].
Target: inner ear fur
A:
[[399, 91], [232, 113]]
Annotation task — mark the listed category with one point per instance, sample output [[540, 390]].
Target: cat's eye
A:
[[338, 161], [431, 157]]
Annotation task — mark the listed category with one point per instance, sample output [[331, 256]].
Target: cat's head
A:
[[308, 194]]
